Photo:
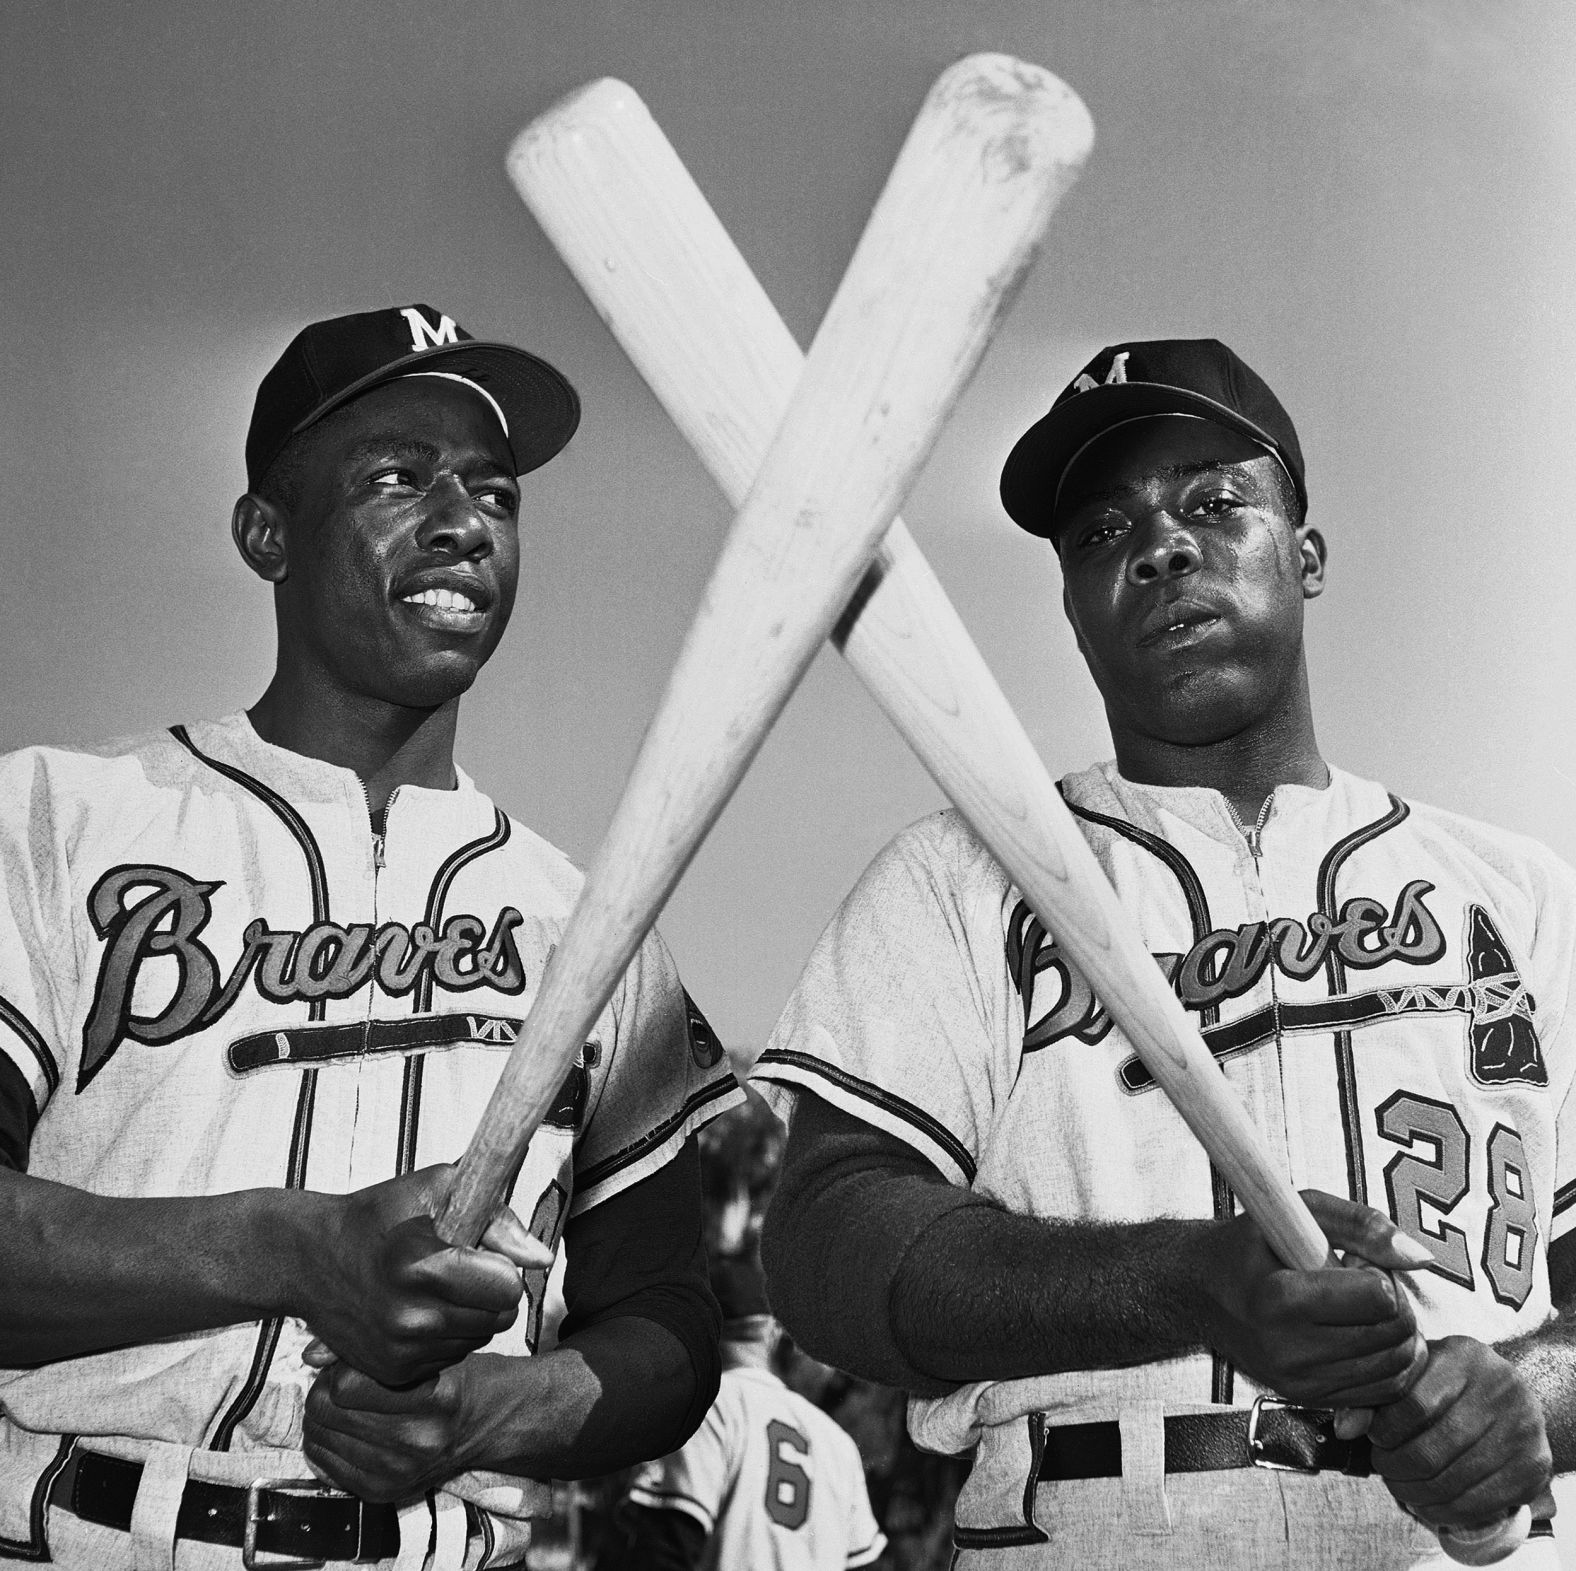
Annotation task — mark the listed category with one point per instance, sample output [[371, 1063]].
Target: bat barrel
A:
[[995, 144]]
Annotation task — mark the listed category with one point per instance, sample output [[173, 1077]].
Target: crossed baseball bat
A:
[[817, 453]]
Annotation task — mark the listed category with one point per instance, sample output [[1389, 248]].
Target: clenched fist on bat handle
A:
[[1466, 1443], [383, 1292], [1456, 1434], [1331, 1338]]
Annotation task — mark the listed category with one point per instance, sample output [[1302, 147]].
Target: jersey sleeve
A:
[[865, 1538], [695, 1479], [660, 1075], [38, 952], [902, 1016], [1554, 967]]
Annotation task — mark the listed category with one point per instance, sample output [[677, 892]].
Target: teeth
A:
[[442, 599]]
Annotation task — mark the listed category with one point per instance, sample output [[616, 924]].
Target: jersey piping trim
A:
[[794, 1068], [604, 1179], [33, 1040], [1181, 868], [1565, 1197], [36, 1545], [673, 1500], [444, 878], [410, 1111], [287, 815], [416, 1066], [1345, 1061], [268, 1331]]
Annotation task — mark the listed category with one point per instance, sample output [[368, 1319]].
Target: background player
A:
[[768, 1482], [266, 969], [981, 1181]]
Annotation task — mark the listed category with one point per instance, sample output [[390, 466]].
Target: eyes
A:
[[1209, 504], [401, 480]]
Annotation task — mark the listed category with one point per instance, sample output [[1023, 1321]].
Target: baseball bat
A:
[[638, 234], [995, 144]]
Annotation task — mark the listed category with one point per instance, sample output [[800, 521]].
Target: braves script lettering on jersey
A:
[[1387, 987], [775, 1483], [213, 977]]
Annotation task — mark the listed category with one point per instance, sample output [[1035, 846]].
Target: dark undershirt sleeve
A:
[[643, 1253], [660, 1540], [17, 1117], [1562, 1272], [850, 1206]]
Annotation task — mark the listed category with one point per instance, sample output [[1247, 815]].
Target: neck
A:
[[746, 1355], [1245, 766], [386, 745]]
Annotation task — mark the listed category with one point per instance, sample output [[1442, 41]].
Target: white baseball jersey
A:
[[776, 1484], [1386, 986], [214, 977]]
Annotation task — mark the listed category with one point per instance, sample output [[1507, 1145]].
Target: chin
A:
[[429, 688], [1196, 711]]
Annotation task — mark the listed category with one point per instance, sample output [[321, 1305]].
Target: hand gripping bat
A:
[[640, 237]]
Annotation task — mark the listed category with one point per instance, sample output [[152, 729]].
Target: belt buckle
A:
[[280, 1486], [1256, 1446]]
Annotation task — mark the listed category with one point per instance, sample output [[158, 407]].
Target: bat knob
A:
[[1489, 1544]]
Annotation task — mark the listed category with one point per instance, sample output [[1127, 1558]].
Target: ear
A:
[[258, 528], [1313, 555]]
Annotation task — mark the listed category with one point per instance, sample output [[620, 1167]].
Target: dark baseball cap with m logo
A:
[[1162, 376], [330, 363]]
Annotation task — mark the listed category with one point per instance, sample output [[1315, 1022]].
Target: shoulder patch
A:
[[705, 1047]]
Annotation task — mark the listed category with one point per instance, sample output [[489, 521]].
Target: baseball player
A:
[[987, 1200], [257, 979], [768, 1482]]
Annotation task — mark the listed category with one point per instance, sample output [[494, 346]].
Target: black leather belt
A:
[[1273, 1434], [277, 1523]]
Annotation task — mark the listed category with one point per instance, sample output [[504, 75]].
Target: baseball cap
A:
[[1163, 376], [329, 363]]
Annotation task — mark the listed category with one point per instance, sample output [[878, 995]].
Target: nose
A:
[[453, 522], [1166, 549]]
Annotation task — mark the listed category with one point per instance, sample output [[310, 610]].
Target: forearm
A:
[[616, 1393], [879, 1266], [1546, 1363], [84, 1272], [984, 1294]]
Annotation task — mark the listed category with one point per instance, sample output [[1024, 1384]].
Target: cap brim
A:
[[537, 400], [1039, 458]]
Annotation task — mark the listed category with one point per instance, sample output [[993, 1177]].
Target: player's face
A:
[[404, 548], [1184, 580]]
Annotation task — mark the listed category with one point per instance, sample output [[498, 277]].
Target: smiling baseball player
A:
[[258, 977], [987, 1200]]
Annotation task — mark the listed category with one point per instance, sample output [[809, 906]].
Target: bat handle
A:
[[1490, 1543]]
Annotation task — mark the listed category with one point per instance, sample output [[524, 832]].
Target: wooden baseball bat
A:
[[611, 193], [995, 144]]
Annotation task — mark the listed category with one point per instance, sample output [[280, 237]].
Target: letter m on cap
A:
[[423, 335]]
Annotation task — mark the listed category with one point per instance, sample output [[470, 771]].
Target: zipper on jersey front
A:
[[1255, 835], [1255, 839]]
